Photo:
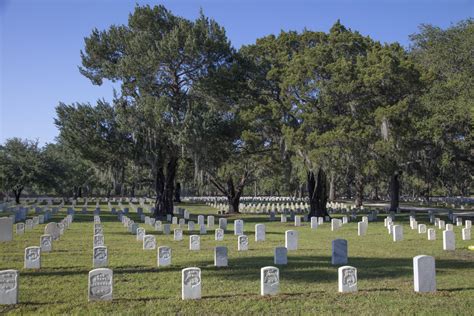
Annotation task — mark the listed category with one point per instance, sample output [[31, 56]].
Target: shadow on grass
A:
[[460, 289], [311, 269]]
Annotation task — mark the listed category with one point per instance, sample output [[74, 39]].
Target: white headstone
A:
[[210, 221], [347, 279], [280, 256], [283, 218], [100, 257], [190, 226], [466, 234], [149, 242], [243, 243], [9, 287], [335, 224], [53, 230], [99, 240], [164, 256], [291, 240], [449, 241], [431, 234], [20, 228], [46, 243], [269, 281], [200, 219], [424, 274], [98, 229], [238, 227], [32, 258], [339, 252], [202, 229], [450, 227], [140, 233], [100, 284], [397, 233], [158, 226], [421, 228], [178, 234], [219, 234], [297, 220], [166, 229], [441, 224], [220, 257], [194, 242], [361, 228], [223, 223], [259, 232], [345, 220], [191, 283], [314, 222]]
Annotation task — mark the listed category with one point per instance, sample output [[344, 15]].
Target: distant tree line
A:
[[322, 115]]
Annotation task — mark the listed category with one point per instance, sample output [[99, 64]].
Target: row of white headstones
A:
[[32, 260], [449, 238], [100, 257]]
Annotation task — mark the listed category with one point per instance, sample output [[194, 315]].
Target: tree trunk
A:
[[332, 187], [317, 193], [234, 202], [233, 196], [359, 187], [394, 191], [75, 192], [17, 193], [164, 187], [177, 193], [79, 193]]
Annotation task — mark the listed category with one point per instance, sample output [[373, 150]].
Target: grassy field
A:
[[308, 284]]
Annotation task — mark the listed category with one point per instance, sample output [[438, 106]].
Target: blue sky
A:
[[40, 41]]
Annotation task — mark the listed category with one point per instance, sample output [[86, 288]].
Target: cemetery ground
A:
[[308, 284]]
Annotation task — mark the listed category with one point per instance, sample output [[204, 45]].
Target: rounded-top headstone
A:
[[53, 230]]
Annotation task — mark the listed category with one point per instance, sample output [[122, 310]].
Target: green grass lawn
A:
[[308, 284]]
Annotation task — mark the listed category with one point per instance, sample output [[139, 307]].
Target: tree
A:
[[20, 166], [444, 140], [65, 173], [159, 59], [94, 133]]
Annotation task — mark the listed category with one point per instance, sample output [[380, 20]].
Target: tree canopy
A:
[[328, 114]]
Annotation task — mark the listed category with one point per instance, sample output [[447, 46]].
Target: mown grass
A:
[[308, 284]]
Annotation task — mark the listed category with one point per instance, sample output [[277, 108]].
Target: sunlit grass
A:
[[308, 284]]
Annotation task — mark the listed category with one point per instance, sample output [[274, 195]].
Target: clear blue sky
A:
[[40, 41]]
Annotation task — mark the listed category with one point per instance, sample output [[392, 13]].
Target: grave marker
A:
[[149, 242], [9, 287], [46, 243], [291, 240], [339, 252], [100, 257], [220, 257], [242, 243], [424, 274], [100, 284], [269, 281], [259, 232], [347, 279], [164, 256], [191, 283], [32, 257], [280, 255]]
